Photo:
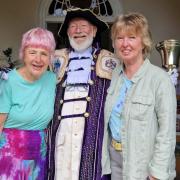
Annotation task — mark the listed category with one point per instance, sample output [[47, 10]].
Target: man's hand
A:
[[3, 75]]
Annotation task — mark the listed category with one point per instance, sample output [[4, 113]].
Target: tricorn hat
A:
[[86, 14]]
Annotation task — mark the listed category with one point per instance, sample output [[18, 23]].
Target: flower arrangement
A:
[[8, 54], [6, 59]]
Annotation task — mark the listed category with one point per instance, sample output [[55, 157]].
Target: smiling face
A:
[[81, 34], [36, 61], [129, 47], [131, 38]]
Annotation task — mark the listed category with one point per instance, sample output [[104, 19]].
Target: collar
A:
[[86, 53], [140, 73]]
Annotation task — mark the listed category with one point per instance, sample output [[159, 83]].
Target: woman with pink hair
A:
[[26, 108]]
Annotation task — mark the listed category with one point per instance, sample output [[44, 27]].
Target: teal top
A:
[[30, 106], [115, 121]]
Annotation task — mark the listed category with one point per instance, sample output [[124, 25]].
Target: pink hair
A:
[[38, 38]]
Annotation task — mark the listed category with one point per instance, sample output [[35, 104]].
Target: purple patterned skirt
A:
[[22, 154]]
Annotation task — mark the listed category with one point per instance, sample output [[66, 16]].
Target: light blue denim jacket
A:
[[148, 127]]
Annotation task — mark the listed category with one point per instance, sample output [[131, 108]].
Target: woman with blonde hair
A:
[[140, 108]]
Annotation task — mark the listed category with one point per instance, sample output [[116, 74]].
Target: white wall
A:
[[16, 17]]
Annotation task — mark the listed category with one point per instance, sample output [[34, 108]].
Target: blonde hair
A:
[[133, 23]]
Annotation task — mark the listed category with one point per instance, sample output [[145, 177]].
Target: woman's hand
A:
[[3, 117]]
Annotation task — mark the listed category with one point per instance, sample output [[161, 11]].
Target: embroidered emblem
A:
[[56, 65], [110, 63], [106, 63], [59, 63]]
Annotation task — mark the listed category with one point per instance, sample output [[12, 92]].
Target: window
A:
[[100, 7]]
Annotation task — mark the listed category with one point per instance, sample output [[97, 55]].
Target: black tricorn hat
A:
[[86, 14]]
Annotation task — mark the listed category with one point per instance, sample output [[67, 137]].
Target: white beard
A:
[[82, 46]]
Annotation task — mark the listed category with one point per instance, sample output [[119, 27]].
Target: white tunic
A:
[[69, 136]]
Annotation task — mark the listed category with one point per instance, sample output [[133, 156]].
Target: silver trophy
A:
[[170, 56], [170, 53]]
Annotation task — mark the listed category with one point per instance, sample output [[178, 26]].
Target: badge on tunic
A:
[[59, 63], [106, 63]]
